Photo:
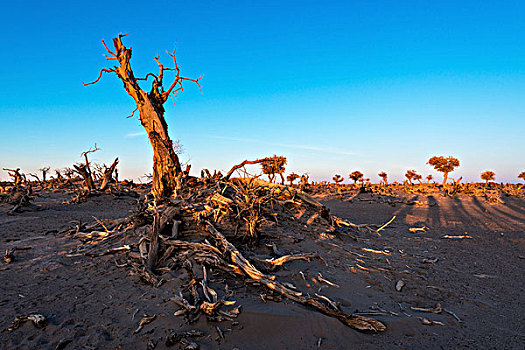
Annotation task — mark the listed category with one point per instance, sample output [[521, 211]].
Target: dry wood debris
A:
[[38, 321], [187, 235], [464, 236]]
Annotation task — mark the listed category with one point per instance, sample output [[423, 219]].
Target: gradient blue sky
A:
[[335, 86]]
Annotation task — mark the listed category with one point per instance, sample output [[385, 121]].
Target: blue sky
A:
[[335, 86]]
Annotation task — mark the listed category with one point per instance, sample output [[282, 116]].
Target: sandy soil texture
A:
[[455, 293]]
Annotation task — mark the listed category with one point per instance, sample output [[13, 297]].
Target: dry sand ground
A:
[[90, 303]]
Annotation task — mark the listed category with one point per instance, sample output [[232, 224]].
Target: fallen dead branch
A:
[[368, 250], [272, 264], [428, 322], [106, 252], [385, 225], [418, 229], [354, 321], [464, 236], [325, 281], [436, 310], [144, 321], [365, 228], [453, 315]]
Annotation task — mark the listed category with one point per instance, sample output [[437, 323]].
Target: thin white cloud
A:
[[294, 146], [136, 134]]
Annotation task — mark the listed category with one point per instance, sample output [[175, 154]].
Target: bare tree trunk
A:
[[108, 175], [83, 170], [445, 177]]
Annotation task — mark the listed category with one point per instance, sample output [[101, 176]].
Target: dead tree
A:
[[85, 171], [205, 174], [35, 176], [69, 173], [44, 171], [58, 175], [18, 178], [82, 169], [108, 175], [166, 164]]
